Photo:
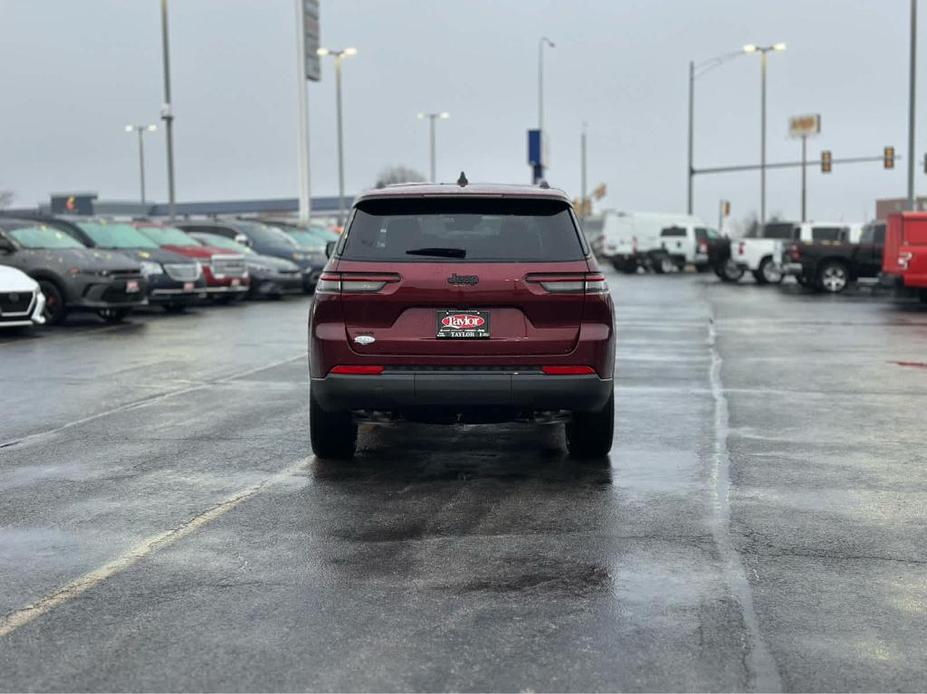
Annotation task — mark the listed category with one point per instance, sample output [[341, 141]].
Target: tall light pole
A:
[[167, 112], [543, 41], [432, 117], [141, 129], [339, 55], [911, 110], [763, 51], [697, 70], [582, 176]]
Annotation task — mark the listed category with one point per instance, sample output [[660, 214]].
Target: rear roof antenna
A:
[[544, 184], [462, 181]]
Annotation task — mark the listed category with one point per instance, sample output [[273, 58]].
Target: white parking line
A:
[[149, 400], [78, 586]]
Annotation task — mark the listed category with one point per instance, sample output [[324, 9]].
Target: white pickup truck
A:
[[762, 255], [631, 240]]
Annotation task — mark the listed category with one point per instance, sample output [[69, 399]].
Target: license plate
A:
[[462, 325], [131, 286], [235, 283], [188, 286]]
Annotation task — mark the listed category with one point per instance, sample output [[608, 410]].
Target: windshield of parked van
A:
[[168, 236], [455, 229], [42, 236], [117, 235]]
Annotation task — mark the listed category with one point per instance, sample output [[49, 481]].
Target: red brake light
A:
[[571, 283], [357, 370], [354, 283], [703, 247], [567, 370]]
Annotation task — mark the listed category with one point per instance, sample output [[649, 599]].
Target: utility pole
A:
[[763, 140], [582, 183], [804, 178], [339, 55], [167, 113], [911, 105], [140, 130], [432, 157], [302, 120], [543, 41], [691, 131]]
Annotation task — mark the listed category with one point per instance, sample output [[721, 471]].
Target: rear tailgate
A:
[[520, 317], [472, 262]]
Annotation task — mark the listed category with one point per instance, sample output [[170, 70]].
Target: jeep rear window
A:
[[462, 230]]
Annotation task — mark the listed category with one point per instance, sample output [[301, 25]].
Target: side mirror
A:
[[330, 249], [6, 246], [243, 240]]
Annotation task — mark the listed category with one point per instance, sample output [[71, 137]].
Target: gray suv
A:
[[72, 276]]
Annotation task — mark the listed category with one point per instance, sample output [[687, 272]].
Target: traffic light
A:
[[826, 161], [888, 158]]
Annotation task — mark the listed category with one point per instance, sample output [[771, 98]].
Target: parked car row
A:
[[53, 266], [825, 256]]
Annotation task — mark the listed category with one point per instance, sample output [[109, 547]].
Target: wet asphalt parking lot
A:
[[760, 524]]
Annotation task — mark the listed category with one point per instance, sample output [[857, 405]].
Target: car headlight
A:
[[257, 267], [299, 256], [149, 268]]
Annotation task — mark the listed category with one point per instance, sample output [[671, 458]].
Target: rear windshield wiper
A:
[[439, 252]]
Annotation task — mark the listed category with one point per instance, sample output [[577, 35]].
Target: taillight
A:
[[357, 370], [567, 370], [353, 283], [794, 252], [586, 283], [702, 247], [740, 248], [904, 259], [634, 244]]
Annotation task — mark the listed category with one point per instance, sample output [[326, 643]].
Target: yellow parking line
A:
[[78, 586]]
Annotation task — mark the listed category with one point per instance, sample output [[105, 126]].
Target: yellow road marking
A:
[[78, 586]]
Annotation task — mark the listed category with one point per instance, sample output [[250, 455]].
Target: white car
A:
[[21, 302]]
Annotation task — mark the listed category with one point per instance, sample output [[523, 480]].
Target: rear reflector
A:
[[357, 370], [568, 370]]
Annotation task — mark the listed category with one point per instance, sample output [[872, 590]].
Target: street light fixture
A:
[[339, 55], [140, 129], [432, 117], [763, 51]]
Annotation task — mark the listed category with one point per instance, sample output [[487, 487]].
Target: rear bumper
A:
[[792, 269], [411, 389]]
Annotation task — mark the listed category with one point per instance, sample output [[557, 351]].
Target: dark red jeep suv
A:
[[461, 303]]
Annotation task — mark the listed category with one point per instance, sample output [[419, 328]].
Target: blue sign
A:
[[535, 154]]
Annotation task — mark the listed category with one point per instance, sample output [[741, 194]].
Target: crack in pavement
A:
[[762, 672]]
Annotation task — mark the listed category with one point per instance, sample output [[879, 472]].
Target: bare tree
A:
[[398, 174], [6, 198]]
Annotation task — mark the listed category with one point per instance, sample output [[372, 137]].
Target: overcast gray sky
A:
[[76, 71]]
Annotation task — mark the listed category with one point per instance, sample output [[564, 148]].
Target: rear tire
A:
[[333, 435], [730, 271], [833, 277], [768, 273], [590, 434], [55, 309]]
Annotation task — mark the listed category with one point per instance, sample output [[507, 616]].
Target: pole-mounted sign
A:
[[312, 38], [803, 126]]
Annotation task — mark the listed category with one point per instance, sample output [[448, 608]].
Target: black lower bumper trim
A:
[[524, 391]]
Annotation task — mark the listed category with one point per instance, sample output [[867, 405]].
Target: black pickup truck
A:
[[831, 266]]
